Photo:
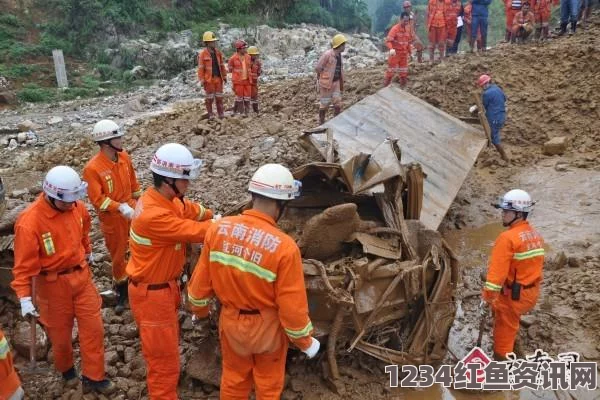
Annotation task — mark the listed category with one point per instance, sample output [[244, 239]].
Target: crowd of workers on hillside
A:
[[252, 267]]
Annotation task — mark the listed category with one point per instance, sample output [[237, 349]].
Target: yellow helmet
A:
[[253, 51], [209, 37], [338, 40]]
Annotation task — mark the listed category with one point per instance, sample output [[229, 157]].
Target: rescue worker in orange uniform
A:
[[523, 24], [542, 11], [112, 189], [511, 8], [330, 77], [255, 71], [436, 26], [10, 384], [239, 66], [212, 74], [52, 245], [255, 270], [417, 43], [399, 41], [452, 12], [514, 274], [163, 223]]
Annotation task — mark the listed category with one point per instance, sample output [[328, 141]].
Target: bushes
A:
[[34, 94]]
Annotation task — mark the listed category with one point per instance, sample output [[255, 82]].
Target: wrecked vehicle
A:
[[377, 282]]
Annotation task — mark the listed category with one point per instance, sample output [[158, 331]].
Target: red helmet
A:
[[406, 4], [483, 79], [240, 44]]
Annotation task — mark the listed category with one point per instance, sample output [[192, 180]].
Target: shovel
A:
[[33, 368], [483, 315]]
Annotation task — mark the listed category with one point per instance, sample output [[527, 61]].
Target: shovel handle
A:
[[32, 328]]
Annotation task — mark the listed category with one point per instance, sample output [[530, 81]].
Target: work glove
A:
[[392, 52], [216, 217], [201, 327], [313, 349], [27, 307], [126, 210], [90, 258], [473, 109], [490, 296]]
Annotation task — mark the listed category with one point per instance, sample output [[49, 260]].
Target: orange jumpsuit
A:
[[212, 74], [510, 11], [255, 71], [52, 246], [452, 11], [255, 270], [542, 11], [518, 255], [9, 380], [239, 66], [399, 38], [521, 18], [436, 25], [330, 89], [110, 184], [159, 232]]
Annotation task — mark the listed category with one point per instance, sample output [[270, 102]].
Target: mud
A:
[[553, 89]]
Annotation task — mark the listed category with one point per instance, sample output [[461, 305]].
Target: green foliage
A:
[[16, 71], [309, 12], [34, 94], [383, 15], [344, 15]]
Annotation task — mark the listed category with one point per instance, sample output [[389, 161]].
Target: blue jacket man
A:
[[494, 102], [479, 21]]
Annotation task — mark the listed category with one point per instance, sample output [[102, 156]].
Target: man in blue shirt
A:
[[479, 21], [494, 101]]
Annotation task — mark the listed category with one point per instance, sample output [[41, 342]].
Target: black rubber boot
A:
[[104, 386], [71, 378], [122, 296], [573, 27], [322, 114], [563, 29]]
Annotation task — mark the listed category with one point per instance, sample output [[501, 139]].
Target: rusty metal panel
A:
[[445, 147]]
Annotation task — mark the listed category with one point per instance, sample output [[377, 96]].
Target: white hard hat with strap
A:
[[106, 129], [275, 182], [173, 160], [62, 183], [515, 200]]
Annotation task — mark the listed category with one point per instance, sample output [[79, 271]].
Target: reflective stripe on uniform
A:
[[493, 286], [48, 243], [198, 302], [139, 239], [109, 181], [528, 254], [105, 204], [136, 194], [300, 333], [202, 212], [4, 349], [242, 265]]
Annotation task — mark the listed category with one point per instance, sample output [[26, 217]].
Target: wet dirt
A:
[[553, 90]]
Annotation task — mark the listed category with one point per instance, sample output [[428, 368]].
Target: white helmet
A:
[[173, 160], [515, 200], [63, 183], [275, 182], [106, 129]]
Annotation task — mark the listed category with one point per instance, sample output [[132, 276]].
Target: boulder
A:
[[55, 120], [21, 339], [27, 125], [557, 145], [204, 363], [229, 163]]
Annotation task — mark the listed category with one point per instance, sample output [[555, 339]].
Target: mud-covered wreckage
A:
[[377, 280]]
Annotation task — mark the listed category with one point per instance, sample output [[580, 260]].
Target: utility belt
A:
[[514, 289], [152, 286], [63, 272]]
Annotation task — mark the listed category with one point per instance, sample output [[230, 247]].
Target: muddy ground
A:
[[553, 89]]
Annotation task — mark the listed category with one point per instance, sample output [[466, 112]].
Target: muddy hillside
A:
[[553, 90]]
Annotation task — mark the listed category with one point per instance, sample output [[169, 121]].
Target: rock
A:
[[76, 125], [574, 262], [139, 72], [27, 125], [187, 324], [527, 320], [129, 354], [561, 166], [21, 339], [22, 137], [12, 144], [129, 331], [111, 357], [204, 363], [296, 385], [19, 194], [557, 145], [228, 163], [197, 142], [55, 120], [274, 128], [134, 106]]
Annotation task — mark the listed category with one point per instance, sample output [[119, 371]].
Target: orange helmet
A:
[[240, 44], [483, 79]]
